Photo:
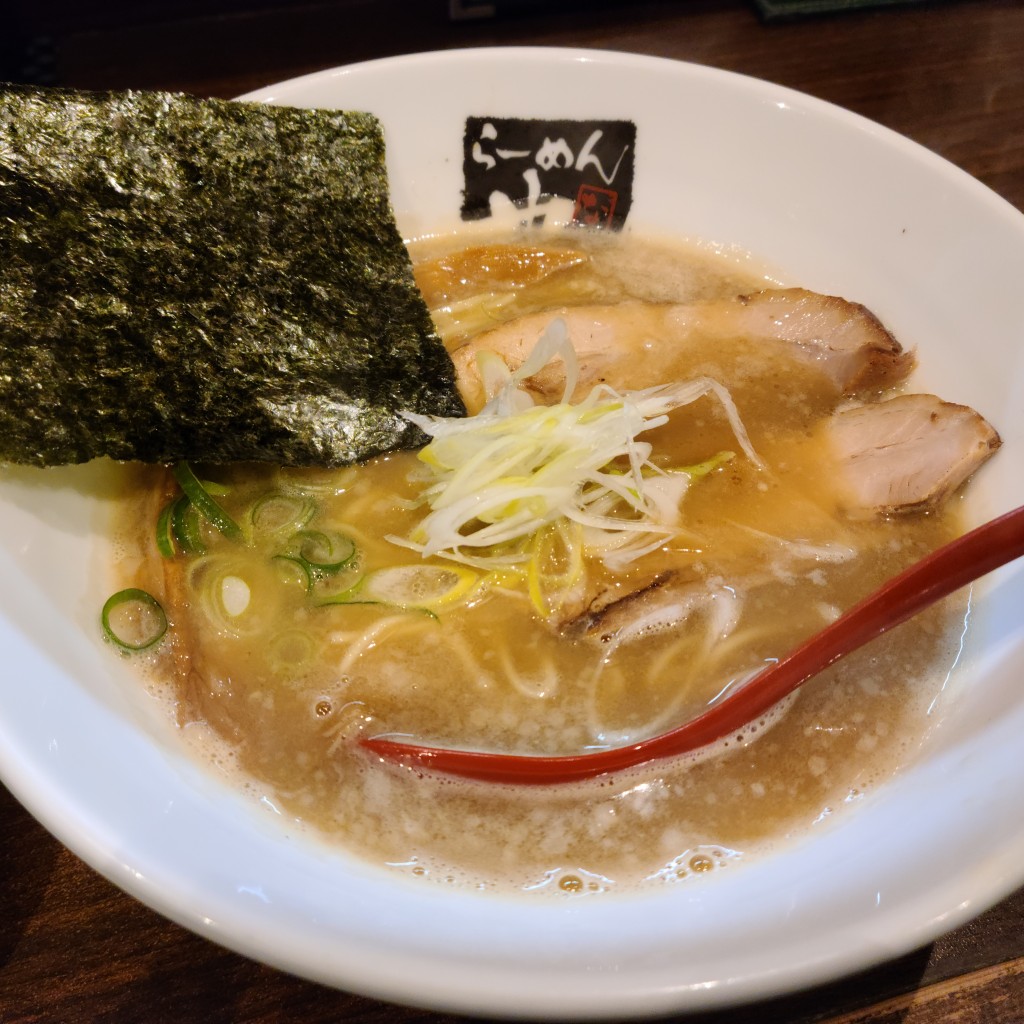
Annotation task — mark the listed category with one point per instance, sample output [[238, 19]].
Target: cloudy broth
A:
[[278, 693]]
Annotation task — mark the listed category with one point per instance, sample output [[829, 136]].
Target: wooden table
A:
[[951, 75]]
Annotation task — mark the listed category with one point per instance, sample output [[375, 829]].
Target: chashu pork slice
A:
[[908, 453], [637, 345]]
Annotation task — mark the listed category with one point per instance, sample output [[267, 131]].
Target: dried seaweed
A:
[[203, 279]]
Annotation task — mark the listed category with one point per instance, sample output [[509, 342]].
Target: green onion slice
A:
[[324, 552], [133, 619], [277, 513], [205, 502], [187, 526], [347, 597], [292, 569], [165, 531], [354, 596], [425, 587]]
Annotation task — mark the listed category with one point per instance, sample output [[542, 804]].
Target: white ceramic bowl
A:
[[833, 202]]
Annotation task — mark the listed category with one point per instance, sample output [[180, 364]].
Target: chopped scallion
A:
[[165, 531], [293, 569], [275, 513], [187, 526], [208, 506], [425, 587], [133, 619], [324, 552]]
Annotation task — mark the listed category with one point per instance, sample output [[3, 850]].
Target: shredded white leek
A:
[[497, 478]]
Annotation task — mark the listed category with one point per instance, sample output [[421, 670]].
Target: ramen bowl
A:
[[756, 173]]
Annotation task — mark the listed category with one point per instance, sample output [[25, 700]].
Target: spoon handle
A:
[[934, 577]]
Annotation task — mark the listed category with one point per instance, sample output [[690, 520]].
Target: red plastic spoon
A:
[[934, 577]]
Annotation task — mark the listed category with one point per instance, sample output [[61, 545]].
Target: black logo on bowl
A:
[[525, 165]]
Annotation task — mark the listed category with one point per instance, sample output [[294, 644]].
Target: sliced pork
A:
[[908, 453], [639, 345], [479, 269], [845, 339]]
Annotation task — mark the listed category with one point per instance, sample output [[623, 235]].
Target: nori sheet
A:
[[204, 279]]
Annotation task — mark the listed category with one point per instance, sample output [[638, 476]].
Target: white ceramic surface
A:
[[833, 202]]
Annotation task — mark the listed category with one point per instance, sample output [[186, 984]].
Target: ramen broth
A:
[[277, 693]]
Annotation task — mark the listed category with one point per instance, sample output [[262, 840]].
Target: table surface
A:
[[949, 75]]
